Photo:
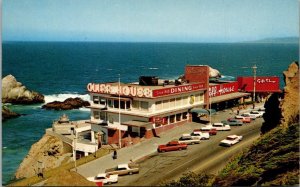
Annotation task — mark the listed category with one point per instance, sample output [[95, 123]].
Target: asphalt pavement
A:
[[148, 147]]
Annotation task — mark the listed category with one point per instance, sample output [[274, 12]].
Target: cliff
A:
[[47, 153], [16, 93]]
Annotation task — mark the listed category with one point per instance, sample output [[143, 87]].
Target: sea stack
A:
[[15, 93]]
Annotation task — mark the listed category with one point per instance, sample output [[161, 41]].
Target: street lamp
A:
[[254, 81]]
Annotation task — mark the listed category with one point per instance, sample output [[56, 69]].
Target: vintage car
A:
[[243, 118], [104, 178], [200, 135], [188, 139], [249, 115], [233, 122], [217, 126], [258, 114], [172, 146], [123, 169], [231, 140], [211, 132]]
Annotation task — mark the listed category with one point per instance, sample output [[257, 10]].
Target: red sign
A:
[[223, 89], [158, 120], [262, 84], [177, 89]]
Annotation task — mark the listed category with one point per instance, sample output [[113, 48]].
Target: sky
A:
[[149, 20]]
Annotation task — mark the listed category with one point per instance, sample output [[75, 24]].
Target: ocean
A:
[[60, 70]]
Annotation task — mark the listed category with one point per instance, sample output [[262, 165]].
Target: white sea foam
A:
[[152, 68], [62, 97], [85, 109]]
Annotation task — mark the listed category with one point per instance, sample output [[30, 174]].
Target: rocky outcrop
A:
[[290, 104], [68, 104], [8, 114], [47, 153], [214, 73], [16, 93]]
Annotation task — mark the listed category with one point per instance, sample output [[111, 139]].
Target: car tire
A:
[[130, 173], [162, 151], [179, 149], [109, 182]]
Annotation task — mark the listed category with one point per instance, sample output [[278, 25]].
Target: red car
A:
[[211, 132], [172, 146]]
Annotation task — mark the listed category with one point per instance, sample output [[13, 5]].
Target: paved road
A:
[[208, 156]]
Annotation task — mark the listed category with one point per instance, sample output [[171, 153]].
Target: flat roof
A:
[[227, 97]]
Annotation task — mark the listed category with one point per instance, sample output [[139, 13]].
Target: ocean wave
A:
[[227, 77], [62, 97], [85, 109], [152, 68]]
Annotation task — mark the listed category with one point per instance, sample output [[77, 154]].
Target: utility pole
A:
[[120, 146], [74, 151], [254, 81]]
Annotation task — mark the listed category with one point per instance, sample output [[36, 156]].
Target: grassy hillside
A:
[[272, 160]]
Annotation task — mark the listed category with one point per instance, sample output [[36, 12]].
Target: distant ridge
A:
[[290, 40]]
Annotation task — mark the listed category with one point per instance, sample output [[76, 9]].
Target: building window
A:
[[122, 103], [201, 97], [166, 104], [96, 115], [185, 100], [172, 103], [178, 117], [144, 105], [167, 119], [197, 98], [178, 101], [110, 119], [158, 105], [116, 103], [110, 104], [96, 99], [135, 104], [102, 115], [127, 104], [184, 115], [172, 119], [102, 101]]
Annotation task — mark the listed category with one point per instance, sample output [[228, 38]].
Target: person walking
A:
[[115, 156]]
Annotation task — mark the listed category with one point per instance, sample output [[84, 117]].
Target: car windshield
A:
[[230, 138]]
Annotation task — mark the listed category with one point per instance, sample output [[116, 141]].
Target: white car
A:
[[207, 127], [221, 127], [258, 114], [104, 178], [200, 135], [188, 139], [231, 140], [217, 126], [249, 115]]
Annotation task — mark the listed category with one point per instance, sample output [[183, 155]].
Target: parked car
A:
[[221, 127], [123, 169], [243, 118], [188, 139], [231, 140], [233, 122], [172, 146], [104, 178], [200, 135], [249, 115], [258, 114], [211, 132]]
